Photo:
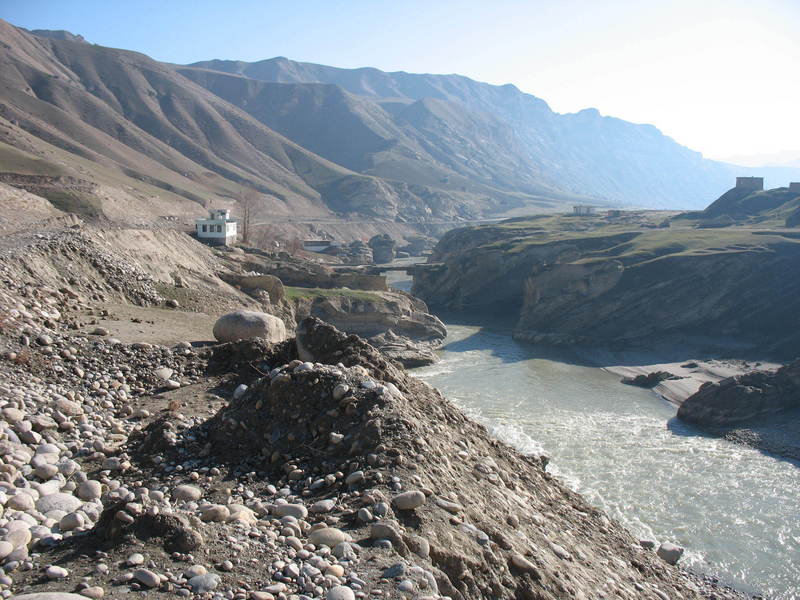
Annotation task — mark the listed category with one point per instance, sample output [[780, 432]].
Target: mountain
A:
[[582, 153], [428, 141], [114, 134]]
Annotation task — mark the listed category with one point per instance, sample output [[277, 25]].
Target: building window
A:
[[219, 228], [205, 228]]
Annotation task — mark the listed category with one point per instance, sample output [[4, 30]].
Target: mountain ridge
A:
[[584, 152]]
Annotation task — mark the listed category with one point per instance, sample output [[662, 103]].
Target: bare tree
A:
[[248, 201], [265, 237], [294, 245]]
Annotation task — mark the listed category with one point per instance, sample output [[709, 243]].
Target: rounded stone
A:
[[95, 592], [6, 548], [323, 506], [202, 584], [49, 596], [187, 493], [71, 521], [298, 511], [90, 490], [22, 502], [59, 501], [247, 324], [215, 513], [409, 500], [328, 536], [56, 572], [147, 578], [670, 553], [340, 592]]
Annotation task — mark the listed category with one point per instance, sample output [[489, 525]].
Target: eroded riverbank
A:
[[732, 507]]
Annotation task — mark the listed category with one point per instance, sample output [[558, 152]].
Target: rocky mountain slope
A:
[[429, 141], [582, 153], [132, 139], [605, 279]]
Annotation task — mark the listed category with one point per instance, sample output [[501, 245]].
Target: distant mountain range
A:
[[125, 136]]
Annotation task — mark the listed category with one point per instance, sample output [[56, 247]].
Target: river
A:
[[734, 509]]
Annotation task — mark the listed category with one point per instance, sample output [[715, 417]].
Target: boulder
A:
[[246, 324], [670, 553], [744, 399]]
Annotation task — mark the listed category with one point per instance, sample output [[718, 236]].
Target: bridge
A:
[[412, 269]]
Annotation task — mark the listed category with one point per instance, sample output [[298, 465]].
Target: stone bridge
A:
[[408, 269]]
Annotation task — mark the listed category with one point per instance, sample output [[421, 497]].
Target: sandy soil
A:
[[164, 326]]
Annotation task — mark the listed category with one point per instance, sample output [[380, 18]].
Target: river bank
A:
[[622, 448]]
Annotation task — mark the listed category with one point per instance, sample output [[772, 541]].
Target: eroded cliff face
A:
[[483, 273], [586, 287]]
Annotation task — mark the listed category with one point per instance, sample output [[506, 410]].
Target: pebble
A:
[[205, 583], [215, 513], [194, 571], [135, 559], [90, 490], [187, 493], [6, 548], [328, 536], [95, 592], [323, 506], [340, 592], [409, 500], [298, 511], [147, 578], [522, 563], [354, 477], [56, 572], [71, 521]]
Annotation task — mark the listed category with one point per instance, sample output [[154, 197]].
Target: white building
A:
[[219, 229], [582, 209]]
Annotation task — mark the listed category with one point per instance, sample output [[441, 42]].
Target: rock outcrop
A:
[[597, 285], [382, 248], [376, 313], [744, 399]]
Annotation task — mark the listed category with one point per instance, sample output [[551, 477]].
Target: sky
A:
[[719, 76]]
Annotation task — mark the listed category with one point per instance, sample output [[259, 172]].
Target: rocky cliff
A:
[[586, 280]]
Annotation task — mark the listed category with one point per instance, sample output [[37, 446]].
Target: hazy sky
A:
[[720, 76]]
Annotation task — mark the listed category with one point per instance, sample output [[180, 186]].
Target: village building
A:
[[582, 209], [218, 229]]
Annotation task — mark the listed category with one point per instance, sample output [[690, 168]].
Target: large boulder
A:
[[247, 324], [744, 399]]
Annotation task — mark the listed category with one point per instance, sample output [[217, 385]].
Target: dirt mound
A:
[[403, 465]]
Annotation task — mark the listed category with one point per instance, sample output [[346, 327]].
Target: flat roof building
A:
[[582, 209], [218, 229]]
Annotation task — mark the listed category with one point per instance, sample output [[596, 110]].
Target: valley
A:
[[229, 289]]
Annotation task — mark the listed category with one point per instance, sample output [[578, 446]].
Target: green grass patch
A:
[[301, 293]]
